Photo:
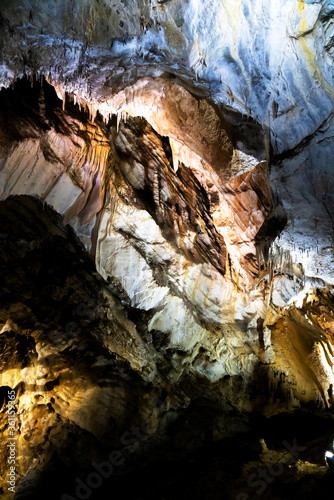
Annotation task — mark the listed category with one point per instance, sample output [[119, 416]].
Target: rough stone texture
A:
[[272, 62], [188, 146]]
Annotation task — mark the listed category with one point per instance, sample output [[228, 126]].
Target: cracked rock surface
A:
[[166, 241]]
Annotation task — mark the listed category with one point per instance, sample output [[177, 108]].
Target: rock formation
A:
[[166, 237]]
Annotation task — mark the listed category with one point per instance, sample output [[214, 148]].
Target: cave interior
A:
[[166, 249]]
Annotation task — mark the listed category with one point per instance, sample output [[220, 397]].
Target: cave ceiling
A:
[[166, 215]]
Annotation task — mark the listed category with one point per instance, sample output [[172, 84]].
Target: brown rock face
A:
[[166, 249], [73, 395], [175, 113], [139, 291], [177, 201], [46, 152], [63, 157]]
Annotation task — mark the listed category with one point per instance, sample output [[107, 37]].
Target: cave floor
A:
[[236, 468]]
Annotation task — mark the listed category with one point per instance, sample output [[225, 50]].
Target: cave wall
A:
[[169, 164]]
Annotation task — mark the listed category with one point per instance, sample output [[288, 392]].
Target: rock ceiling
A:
[[166, 215]]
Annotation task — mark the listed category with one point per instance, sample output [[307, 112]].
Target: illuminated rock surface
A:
[[166, 238]]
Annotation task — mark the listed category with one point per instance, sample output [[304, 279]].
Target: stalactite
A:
[[156, 186], [41, 103]]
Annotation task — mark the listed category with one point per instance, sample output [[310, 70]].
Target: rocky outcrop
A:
[[166, 224]]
